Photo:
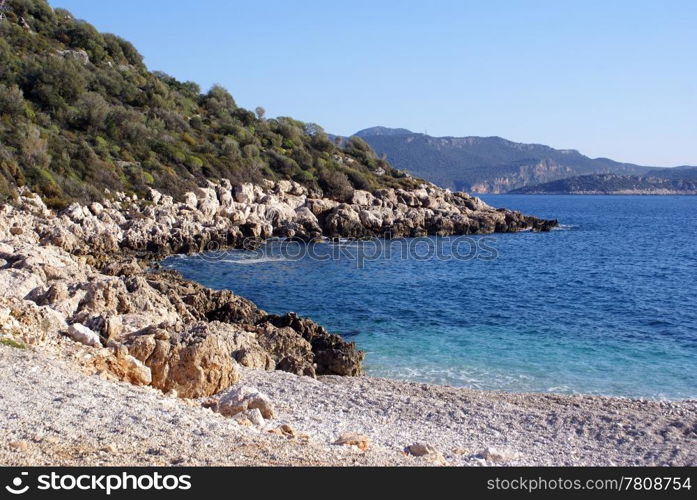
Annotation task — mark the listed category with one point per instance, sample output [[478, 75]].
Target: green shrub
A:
[[11, 101], [12, 343], [335, 184]]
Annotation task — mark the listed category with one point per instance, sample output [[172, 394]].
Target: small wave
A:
[[560, 389], [260, 260], [565, 227], [344, 242]]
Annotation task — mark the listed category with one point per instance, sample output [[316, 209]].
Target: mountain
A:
[[80, 113], [485, 164], [676, 181], [382, 131]]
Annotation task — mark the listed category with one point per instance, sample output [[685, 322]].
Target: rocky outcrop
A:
[[83, 272], [194, 363], [332, 354], [288, 350], [222, 215], [29, 323], [196, 302]]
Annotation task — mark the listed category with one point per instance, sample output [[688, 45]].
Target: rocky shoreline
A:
[[85, 272], [79, 298]]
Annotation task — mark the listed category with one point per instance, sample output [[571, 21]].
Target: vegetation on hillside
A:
[[80, 113]]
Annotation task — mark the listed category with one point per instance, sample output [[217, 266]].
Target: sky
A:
[[614, 79]]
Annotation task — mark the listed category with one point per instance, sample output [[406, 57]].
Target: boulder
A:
[[304, 216], [244, 193], [18, 282], [193, 362], [320, 206], [250, 417], [154, 196], [194, 302], [242, 398], [370, 219], [362, 198], [80, 333], [207, 201], [283, 186], [225, 194], [332, 354], [28, 322], [278, 213], [190, 200], [344, 222], [289, 351]]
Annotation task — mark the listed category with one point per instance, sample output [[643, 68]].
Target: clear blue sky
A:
[[610, 78]]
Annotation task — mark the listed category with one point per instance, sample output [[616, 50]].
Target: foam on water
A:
[[260, 260], [565, 227]]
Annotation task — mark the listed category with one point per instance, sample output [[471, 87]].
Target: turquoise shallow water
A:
[[606, 305]]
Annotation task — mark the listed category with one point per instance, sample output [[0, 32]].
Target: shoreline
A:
[[464, 427], [597, 193], [83, 320]]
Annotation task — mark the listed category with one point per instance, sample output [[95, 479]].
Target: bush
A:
[[52, 82], [91, 111], [11, 101], [335, 184], [43, 181]]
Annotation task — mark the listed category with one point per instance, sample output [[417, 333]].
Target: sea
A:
[[606, 304]]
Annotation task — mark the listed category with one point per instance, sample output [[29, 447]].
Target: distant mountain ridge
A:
[[664, 181], [487, 164]]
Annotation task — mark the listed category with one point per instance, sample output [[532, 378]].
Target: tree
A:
[[218, 101], [261, 112]]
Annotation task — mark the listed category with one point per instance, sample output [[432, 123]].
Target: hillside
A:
[[80, 113], [485, 164], [655, 183]]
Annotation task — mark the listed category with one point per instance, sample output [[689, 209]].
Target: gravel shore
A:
[[52, 414], [518, 429]]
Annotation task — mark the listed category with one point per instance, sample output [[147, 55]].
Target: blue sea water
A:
[[607, 304]]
